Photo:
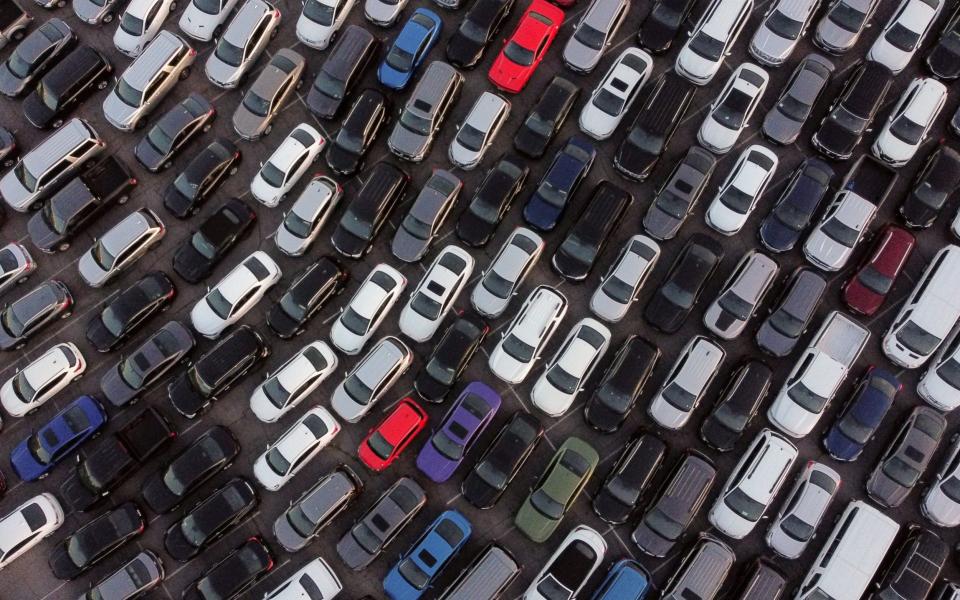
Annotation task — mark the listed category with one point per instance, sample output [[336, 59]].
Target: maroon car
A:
[[866, 290]]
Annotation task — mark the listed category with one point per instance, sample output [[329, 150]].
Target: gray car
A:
[[594, 33], [37, 308], [268, 94], [676, 197], [34, 55], [803, 510], [784, 121], [620, 286], [159, 353], [242, 43], [781, 330], [16, 265], [702, 572], [120, 246], [743, 292], [139, 575], [907, 458], [506, 272], [842, 23], [316, 508], [419, 228], [371, 378], [423, 114], [381, 523], [94, 12], [782, 27]]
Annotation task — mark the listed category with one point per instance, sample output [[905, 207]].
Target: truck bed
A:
[[841, 338], [870, 179], [107, 178], [146, 434]]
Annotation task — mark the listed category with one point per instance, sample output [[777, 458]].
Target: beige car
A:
[[268, 94]]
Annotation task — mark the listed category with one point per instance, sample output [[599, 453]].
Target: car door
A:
[[295, 168]]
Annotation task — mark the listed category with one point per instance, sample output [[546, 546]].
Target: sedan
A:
[[201, 179], [458, 431], [410, 49], [621, 385], [293, 381], [677, 294], [198, 255], [629, 479], [47, 375], [120, 247], [96, 540], [868, 286], [741, 295], [316, 508], [129, 378], [381, 523], [368, 116], [244, 40], [546, 117], [526, 47], [138, 575], [803, 509], [740, 192], [385, 442], [202, 19], [233, 574], [782, 27], [904, 33], [140, 22], [421, 225], [321, 20], [799, 201], [620, 287], [371, 379], [907, 457], [800, 95], [367, 309], [311, 290], [842, 24], [29, 313], [295, 448], [37, 454], [615, 94], [730, 113], [436, 293], [678, 194], [127, 312], [506, 272], [173, 131], [210, 519], [302, 223], [34, 55], [268, 94], [570, 566], [287, 164], [449, 358], [492, 200], [234, 295], [571, 164], [479, 27], [566, 374], [502, 460], [478, 130]]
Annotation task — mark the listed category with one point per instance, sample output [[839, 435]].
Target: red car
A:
[[866, 290], [387, 440], [524, 50]]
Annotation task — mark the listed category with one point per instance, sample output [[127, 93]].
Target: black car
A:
[[546, 117], [133, 374], [383, 187], [853, 110], [944, 58], [209, 454], [662, 24], [492, 200], [479, 27], [233, 574], [680, 289], [502, 460], [449, 358], [203, 175], [71, 81], [210, 519], [368, 116], [782, 228], [31, 312], [173, 131], [629, 478], [343, 69], [916, 567], [128, 310], [96, 540], [737, 405], [621, 385], [213, 374], [310, 291], [934, 184], [197, 256], [34, 55], [589, 234]]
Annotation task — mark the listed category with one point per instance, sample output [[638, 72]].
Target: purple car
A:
[[470, 414]]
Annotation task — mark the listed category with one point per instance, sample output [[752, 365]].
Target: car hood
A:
[[650, 541], [379, 12], [90, 270], [186, 400], [195, 23], [884, 490], [580, 57], [10, 84], [204, 320], [114, 388], [39, 114], [41, 234], [435, 466], [825, 251], [833, 37], [61, 564], [287, 536], [771, 46], [947, 513], [222, 74], [119, 113], [536, 526], [148, 155], [406, 247], [247, 124], [87, 11]]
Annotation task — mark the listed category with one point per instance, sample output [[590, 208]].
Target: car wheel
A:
[[184, 73], [56, 123], [173, 6], [36, 205], [233, 170], [217, 31], [167, 164], [140, 123], [18, 35], [107, 18], [66, 314], [123, 199], [268, 129], [64, 246]]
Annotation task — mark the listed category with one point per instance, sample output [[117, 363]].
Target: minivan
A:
[[341, 71], [763, 582], [421, 117], [702, 572], [71, 80], [711, 40], [486, 577]]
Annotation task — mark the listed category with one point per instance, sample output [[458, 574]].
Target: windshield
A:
[[677, 295], [440, 371], [446, 446], [518, 349], [275, 393], [707, 47], [519, 54], [318, 13], [854, 429], [950, 372], [784, 26], [210, 7], [229, 53], [562, 380], [131, 24], [416, 227], [203, 245], [350, 142], [22, 387], [277, 462], [906, 130], [793, 108], [218, 304], [841, 233], [11, 323], [497, 285], [272, 175], [807, 398], [609, 103], [678, 397], [619, 290], [736, 200], [128, 94], [400, 59], [357, 390], [874, 280], [732, 111], [660, 523], [102, 256], [18, 66], [797, 529], [917, 339], [159, 139], [903, 38], [791, 216], [380, 446], [471, 138], [744, 505], [787, 324], [425, 306], [546, 505], [416, 123], [297, 225], [53, 218], [590, 37], [256, 104], [329, 86], [846, 17], [736, 306], [354, 323]]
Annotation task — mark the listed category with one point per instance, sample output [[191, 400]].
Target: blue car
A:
[[860, 418], [626, 580], [412, 575], [34, 457], [569, 168], [410, 48], [791, 215]]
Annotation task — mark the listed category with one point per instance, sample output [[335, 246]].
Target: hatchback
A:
[[615, 94], [244, 40], [571, 164], [436, 293], [527, 334], [316, 508], [409, 49], [686, 383], [478, 130], [869, 285], [23, 317], [594, 33], [907, 457], [730, 113], [309, 213], [629, 478], [385, 442]]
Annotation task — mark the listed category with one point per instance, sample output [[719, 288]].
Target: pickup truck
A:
[[815, 378], [75, 206], [854, 206], [13, 22], [102, 469]]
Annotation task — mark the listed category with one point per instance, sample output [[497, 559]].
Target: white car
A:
[[16, 265], [615, 94], [234, 295], [583, 547], [710, 41], [904, 32], [910, 121], [940, 384], [320, 21], [524, 339], [290, 384], [620, 286], [941, 501], [741, 190], [567, 372], [302, 223], [844, 223], [42, 379], [796, 524], [478, 130], [499, 282], [27, 525], [782, 27], [293, 450], [371, 378], [744, 290], [753, 484], [434, 296], [383, 13], [242, 43], [140, 22], [367, 309], [687, 382], [287, 164], [594, 34], [314, 580], [731, 111], [203, 19]]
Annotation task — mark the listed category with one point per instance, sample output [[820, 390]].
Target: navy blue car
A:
[[782, 227], [35, 457], [569, 168], [410, 48], [860, 418]]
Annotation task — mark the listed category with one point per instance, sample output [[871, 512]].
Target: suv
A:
[[343, 69], [434, 95], [71, 80], [381, 523], [746, 388], [621, 385], [842, 23], [902, 465], [383, 187], [527, 334], [421, 226], [594, 33], [34, 56], [587, 237], [34, 310], [680, 289], [571, 164], [173, 131], [741, 295], [687, 383], [546, 117], [678, 194], [710, 41], [368, 116], [703, 571], [245, 39], [121, 245], [853, 110], [788, 320], [915, 568]]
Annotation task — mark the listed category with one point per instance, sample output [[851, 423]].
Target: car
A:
[[842, 23], [138, 575], [234, 295], [409, 49], [740, 192], [8, 148], [22, 318], [629, 478], [780, 332], [687, 382], [367, 309], [588, 235], [316, 577], [43, 378], [939, 384], [27, 525], [36, 455], [933, 184], [371, 378], [626, 579], [907, 457], [711, 39], [380, 524], [273, 88], [842, 226], [620, 287], [368, 116], [202, 21], [526, 47], [118, 248], [730, 112], [309, 292], [210, 519], [211, 452], [940, 504], [703, 571], [803, 510], [383, 187], [436, 293], [491, 200], [546, 117], [527, 334], [621, 385], [284, 458], [421, 225], [35, 55], [95, 540], [320, 21], [784, 121], [480, 25], [171, 133], [209, 244], [784, 23], [302, 223], [417, 568], [792, 213], [853, 110], [941, 59], [204, 174], [449, 358], [502, 278], [546, 205], [678, 194], [214, 373], [141, 22], [736, 405], [661, 24], [558, 487], [383, 13], [16, 265], [241, 44], [869, 285], [94, 14], [458, 431], [570, 566], [613, 97], [910, 121], [565, 375], [679, 290], [741, 295], [904, 32], [478, 130], [130, 377], [593, 34], [290, 383], [342, 70], [385, 442], [288, 163], [499, 464], [423, 113], [233, 574], [916, 566]]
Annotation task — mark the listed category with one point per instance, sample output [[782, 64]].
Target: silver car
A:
[[798, 519], [782, 27], [831, 243], [426, 216], [687, 383], [423, 114], [16, 265], [620, 287], [120, 246], [941, 502], [478, 130], [268, 94], [743, 292], [137, 576], [500, 281], [242, 43], [370, 379], [302, 224], [842, 23], [594, 33], [797, 100]]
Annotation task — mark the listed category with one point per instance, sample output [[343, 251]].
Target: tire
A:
[[184, 73], [18, 35], [167, 165], [141, 122], [173, 7], [63, 247], [107, 18], [23, 279], [66, 315], [102, 84], [233, 170], [123, 199], [268, 129], [56, 123]]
